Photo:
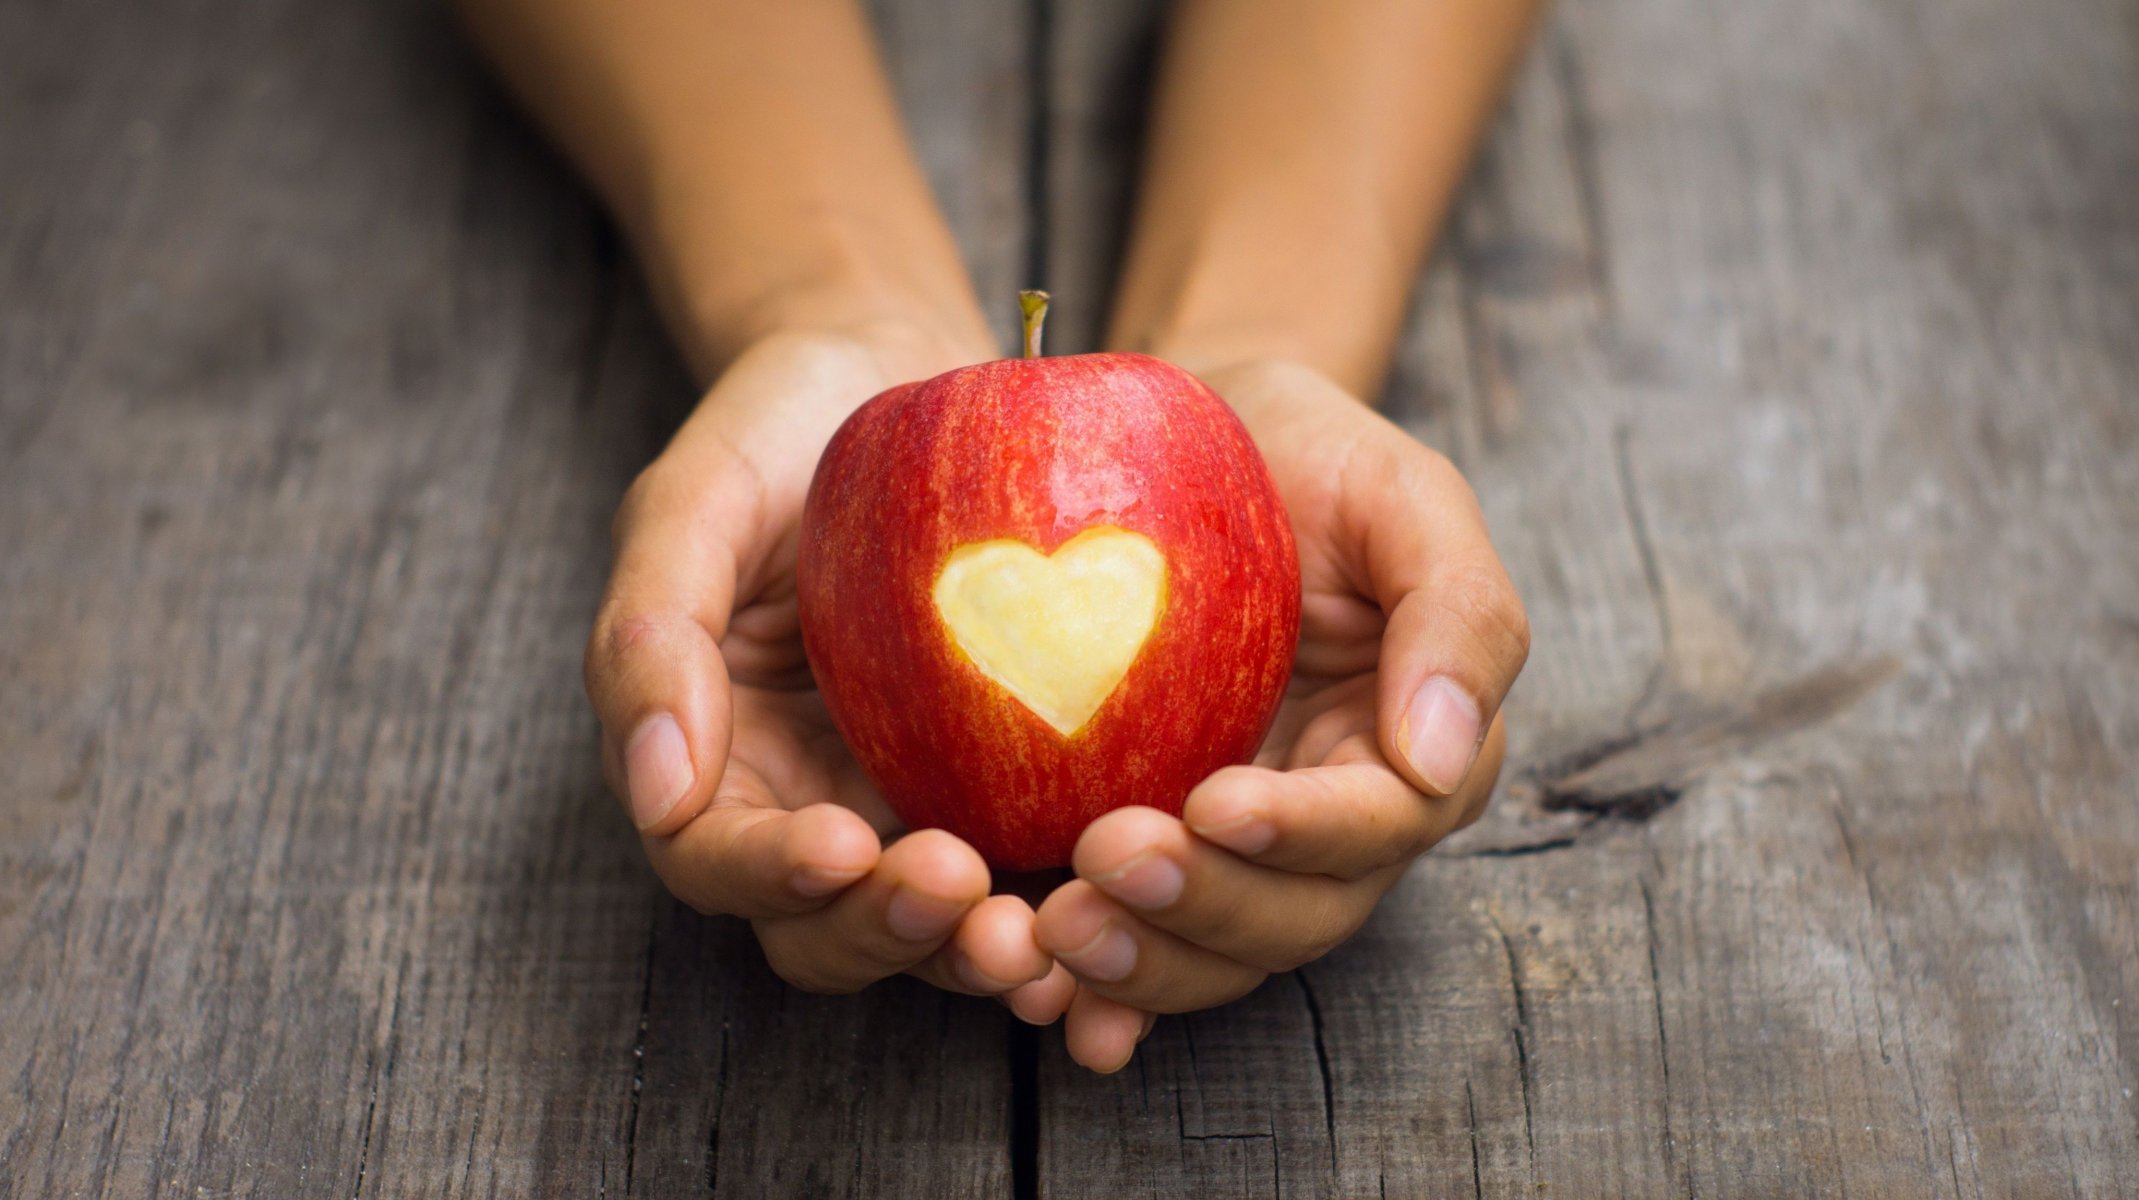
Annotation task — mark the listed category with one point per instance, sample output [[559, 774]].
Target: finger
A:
[[746, 857], [1348, 819], [1100, 1033], [1457, 635], [1044, 1000], [653, 667], [992, 952], [1114, 953], [1486, 774], [1269, 919], [906, 909]]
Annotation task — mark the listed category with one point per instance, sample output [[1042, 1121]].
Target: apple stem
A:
[[1032, 307]]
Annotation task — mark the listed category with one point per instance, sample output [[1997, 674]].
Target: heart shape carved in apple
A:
[[1060, 631]]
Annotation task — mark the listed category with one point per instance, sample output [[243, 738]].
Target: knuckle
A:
[[1429, 478], [1328, 931], [621, 636], [1514, 622], [1218, 911], [1484, 604], [1334, 921], [1325, 730], [1304, 943], [615, 634], [1432, 468]]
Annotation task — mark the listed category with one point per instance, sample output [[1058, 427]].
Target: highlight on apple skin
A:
[[1036, 590]]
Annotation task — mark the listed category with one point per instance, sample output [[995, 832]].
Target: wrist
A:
[[883, 285], [1242, 378], [776, 401], [1253, 344], [1218, 295], [909, 337], [909, 343]]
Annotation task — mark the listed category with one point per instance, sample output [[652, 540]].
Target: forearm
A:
[[753, 154], [1302, 155]]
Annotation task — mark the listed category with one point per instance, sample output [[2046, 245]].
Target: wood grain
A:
[[1725, 336], [322, 378], [1773, 337]]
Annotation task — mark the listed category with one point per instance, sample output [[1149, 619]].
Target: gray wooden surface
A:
[[1794, 349]]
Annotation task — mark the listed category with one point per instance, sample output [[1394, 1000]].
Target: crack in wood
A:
[[1875, 914], [475, 1127], [1651, 571], [385, 1079], [1520, 1032], [1582, 154], [638, 1054], [1470, 1106], [1481, 358], [1180, 1114], [363, 1164], [1524, 849], [1024, 1054], [1329, 1092], [1633, 777], [720, 1097], [1663, 1040], [1637, 780]]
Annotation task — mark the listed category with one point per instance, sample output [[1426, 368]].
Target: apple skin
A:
[[1039, 450]]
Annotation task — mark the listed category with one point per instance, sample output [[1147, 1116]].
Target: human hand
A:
[[745, 797], [1388, 740]]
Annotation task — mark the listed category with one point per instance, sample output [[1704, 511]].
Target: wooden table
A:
[[1793, 347]]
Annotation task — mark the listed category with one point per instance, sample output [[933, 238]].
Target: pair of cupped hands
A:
[[749, 804]]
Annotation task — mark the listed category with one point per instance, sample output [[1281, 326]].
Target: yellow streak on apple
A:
[[1058, 632]]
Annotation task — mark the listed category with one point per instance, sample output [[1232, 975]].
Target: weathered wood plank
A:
[[253, 532], [321, 379], [1096, 78], [1835, 389], [963, 77], [1769, 340]]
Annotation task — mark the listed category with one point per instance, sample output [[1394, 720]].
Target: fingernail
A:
[[821, 881], [1236, 824], [1149, 880], [1441, 733], [657, 768], [1108, 957], [918, 917]]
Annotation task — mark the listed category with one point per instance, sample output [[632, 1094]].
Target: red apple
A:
[[1036, 590]]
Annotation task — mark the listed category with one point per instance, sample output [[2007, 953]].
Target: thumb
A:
[[653, 666], [1456, 636]]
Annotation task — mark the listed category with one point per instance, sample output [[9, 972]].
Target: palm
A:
[[786, 752], [1324, 470]]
